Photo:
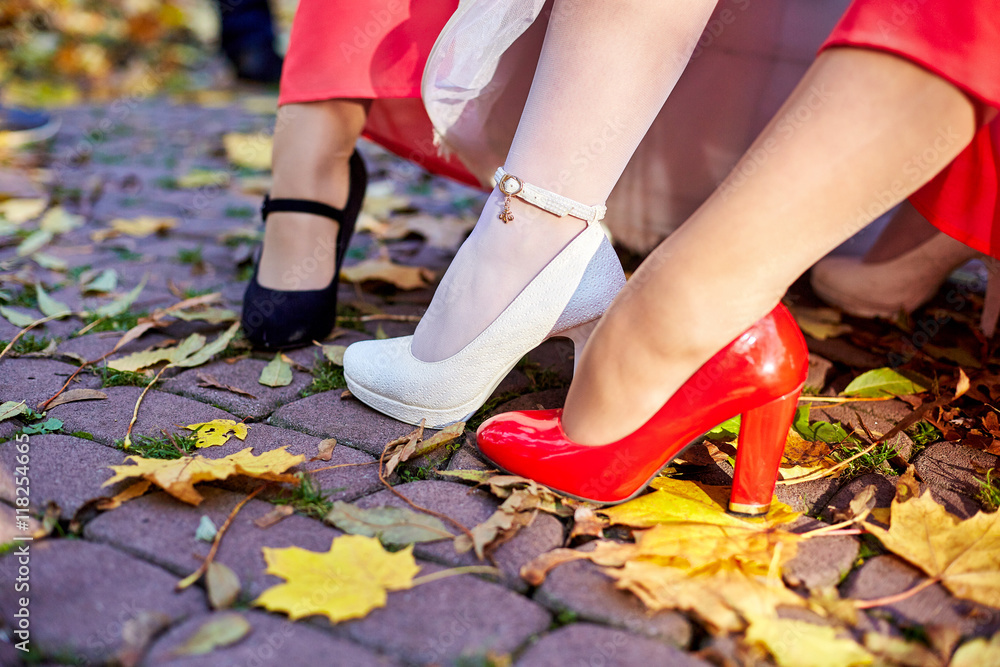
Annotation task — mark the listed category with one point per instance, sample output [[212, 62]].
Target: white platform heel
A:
[[565, 299]]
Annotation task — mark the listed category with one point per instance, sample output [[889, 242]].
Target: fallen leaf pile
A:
[[690, 555]]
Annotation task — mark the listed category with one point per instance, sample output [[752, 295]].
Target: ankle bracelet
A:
[[512, 186]]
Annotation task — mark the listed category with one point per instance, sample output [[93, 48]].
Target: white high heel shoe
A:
[[565, 299], [903, 283]]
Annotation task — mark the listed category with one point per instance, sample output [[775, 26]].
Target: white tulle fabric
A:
[[747, 61]]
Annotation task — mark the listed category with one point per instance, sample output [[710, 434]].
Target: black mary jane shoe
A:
[[279, 319]]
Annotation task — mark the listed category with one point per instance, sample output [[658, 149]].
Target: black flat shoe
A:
[[278, 319]]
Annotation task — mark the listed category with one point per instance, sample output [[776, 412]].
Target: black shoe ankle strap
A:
[[299, 206]]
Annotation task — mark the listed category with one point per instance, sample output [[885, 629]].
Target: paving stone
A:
[[109, 420], [471, 507], [52, 480], [35, 380], [81, 610], [840, 351], [584, 645], [581, 587], [9, 428], [808, 497], [439, 622], [949, 466], [888, 575], [348, 483], [52, 329], [243, 375], [821, 562], [885, 491], [539, 400], [273, 640], [160, 529], [819, 371], [350, 421], [556, 355], [468, 457], [878, 416]]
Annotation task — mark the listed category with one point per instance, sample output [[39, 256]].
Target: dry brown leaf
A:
[[385, 270], [586, 523], [222, 585], [324, 450], [277, 513], [211, 382], [605, 552], [963, 384], [402, 448], [74, 395]]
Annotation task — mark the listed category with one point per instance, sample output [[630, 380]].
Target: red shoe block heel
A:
[[763, 432], [758, 375]]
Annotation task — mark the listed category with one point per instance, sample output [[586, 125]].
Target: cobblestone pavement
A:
[[102, 579]]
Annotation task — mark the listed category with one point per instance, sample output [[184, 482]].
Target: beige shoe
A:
[[886, 288]]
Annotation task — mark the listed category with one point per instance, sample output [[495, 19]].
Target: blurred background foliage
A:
[[61, 52]]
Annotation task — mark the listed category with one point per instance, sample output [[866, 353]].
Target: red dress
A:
[[375, 49], [959, 40]]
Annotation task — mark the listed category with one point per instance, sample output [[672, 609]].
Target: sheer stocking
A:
[[600, 81], [312, 145]]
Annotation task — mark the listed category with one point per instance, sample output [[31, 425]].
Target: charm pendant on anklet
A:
[[509, 186]]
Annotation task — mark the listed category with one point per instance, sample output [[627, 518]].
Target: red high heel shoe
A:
[[759, 375]]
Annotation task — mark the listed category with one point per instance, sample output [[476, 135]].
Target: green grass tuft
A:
[[113, 378], [121, 322], [190, 255], [327, 376], [308, 497], [164, 446], [877, 460], [27, 344], [989, 492]]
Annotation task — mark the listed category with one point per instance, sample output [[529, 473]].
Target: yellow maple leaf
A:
[[17, 211], [795, 643], [252, 151], [977, 653], [385, 270], [217, 431], [348, 581], [962, 555], [681, 501], [706, 546], [141, 227], [724, 601], [178, 476]]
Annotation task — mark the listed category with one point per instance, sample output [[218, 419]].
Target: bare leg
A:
[[803, 187], [601, 80], [312, 145]]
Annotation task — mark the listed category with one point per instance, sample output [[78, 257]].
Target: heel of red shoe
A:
[[763, 432]]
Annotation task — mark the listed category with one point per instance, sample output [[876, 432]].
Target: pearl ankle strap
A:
[[512, 186]]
